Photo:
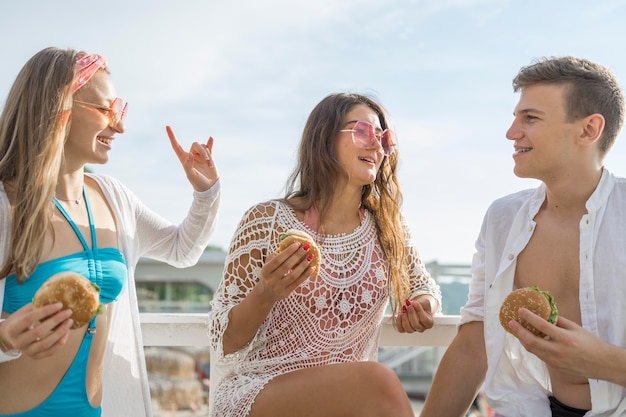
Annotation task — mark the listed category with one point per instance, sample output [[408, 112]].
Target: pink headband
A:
[[87, 66]]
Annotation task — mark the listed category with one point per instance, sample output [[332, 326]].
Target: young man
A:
[[568, 237]]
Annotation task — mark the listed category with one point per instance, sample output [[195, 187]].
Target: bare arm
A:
[[460, 374]]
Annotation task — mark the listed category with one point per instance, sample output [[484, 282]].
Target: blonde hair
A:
[[33, 127], [315, 176]]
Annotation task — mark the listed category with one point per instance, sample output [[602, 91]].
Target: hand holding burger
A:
[[531, 298], [75, 292], [294, 235]]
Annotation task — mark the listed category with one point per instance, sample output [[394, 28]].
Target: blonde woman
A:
[[62, 113]]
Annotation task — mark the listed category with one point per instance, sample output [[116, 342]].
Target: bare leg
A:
[[363, 389]]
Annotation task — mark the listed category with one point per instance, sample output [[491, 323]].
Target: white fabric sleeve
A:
[[474, 308], [4, 251], [180, 245], [12, 354], [6, 357], [144, 233], [152, 236]]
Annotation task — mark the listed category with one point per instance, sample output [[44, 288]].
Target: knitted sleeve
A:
[[420, 279], [242, 270]]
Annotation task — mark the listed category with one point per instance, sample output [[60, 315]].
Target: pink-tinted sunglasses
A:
[[115, 112], [364, 135]]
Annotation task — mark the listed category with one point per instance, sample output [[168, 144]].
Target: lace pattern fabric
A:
[[334, 317]]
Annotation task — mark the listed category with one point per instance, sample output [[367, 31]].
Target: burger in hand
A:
[[531, 298], [294, 235], [75, 292]]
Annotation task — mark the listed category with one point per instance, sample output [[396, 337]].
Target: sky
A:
[[248, 73]]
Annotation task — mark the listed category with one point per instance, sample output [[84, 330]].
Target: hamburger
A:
[[532, 298], [75, 292], [294, 235]]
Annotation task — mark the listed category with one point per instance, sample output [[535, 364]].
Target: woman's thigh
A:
[[364, 389]]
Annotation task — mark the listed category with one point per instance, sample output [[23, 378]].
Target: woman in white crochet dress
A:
[[285, 342]]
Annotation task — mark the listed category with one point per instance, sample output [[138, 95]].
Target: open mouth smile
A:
[[522, 150]]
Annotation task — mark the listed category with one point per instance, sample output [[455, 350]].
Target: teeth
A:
[[105, 140], [521, 150]]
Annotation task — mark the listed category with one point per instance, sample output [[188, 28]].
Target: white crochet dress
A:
[[334, 317]]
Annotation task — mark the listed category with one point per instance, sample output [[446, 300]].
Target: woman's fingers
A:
[[286, 270], [178, 150], [47, 345], [414, 318], [202, 152], [198, 163], [38, 332]]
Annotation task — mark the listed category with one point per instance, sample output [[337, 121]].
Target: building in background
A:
[[163, 288]]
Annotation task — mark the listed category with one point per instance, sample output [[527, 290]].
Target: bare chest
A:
[[551, 261], [65, 240]]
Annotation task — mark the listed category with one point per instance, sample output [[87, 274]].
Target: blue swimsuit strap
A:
[[92, 322], [71, 222]]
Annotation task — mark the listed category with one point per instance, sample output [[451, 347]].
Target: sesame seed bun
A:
[[74, 291], [532, 298], [294, 235]]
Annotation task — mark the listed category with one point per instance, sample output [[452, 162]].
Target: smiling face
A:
[[544, 141], [90, 136], [361, 164]]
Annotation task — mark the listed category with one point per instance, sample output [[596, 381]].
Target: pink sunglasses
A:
[[364, 135], [116, 112]]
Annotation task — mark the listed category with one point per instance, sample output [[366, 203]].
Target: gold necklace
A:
[[71, 200], [76, 201]]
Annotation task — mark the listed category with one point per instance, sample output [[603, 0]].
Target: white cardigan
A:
[[141, 233]]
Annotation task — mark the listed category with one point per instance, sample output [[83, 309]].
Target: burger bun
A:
[[294, 235], [74, 291], [531, 298]]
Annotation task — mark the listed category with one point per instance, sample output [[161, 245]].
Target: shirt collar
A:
[[601, 193], [595, 201]]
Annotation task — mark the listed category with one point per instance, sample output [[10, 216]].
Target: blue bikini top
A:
[[103, 266]]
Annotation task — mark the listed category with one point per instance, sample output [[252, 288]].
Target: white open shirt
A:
[[517, 382]]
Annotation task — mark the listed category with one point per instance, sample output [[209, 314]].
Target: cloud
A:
[[249, 72]]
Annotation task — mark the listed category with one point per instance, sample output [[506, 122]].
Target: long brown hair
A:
[[315, 176], [33, 127]]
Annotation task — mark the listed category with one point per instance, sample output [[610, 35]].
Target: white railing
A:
[[184, 329]]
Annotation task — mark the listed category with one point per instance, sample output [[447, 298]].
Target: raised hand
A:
[[198, 163]]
